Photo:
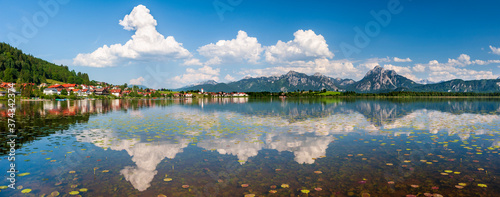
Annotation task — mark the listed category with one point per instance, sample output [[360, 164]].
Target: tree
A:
[[64, 92]]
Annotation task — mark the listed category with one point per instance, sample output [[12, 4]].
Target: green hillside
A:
[[15, 66]]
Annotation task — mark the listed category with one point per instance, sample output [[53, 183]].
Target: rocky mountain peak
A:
[[318, 75], [291, 73], [208, 82]]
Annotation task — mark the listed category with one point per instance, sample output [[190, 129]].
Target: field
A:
[[329, 93]]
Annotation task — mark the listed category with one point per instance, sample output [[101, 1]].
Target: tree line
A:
[[17, 67]]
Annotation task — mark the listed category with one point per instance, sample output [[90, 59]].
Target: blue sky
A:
[[176, 43]]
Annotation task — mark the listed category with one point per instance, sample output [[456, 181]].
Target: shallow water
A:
[[266, 147]]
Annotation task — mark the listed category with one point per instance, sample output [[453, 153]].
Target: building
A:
[[116, 92], [101, 92], [240, 94], [126, 92], [70, 86], [51, 91], [85, 92], [76, 92], [56, 86]]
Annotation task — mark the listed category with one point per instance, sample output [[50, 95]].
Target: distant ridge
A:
[[377, 80]]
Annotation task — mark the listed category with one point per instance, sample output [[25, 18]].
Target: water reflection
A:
[[152, 131]]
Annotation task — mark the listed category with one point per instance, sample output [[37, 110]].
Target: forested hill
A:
[[15, 66]]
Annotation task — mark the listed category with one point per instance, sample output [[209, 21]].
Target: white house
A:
[[240, 94], [85, 92], [50, 91]]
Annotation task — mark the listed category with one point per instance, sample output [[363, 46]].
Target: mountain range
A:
[[377, 80]]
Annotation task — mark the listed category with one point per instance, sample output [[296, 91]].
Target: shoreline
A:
[[287, 97]]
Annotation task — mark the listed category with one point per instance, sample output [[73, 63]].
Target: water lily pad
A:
[[167, 179], [24, 174], [305, 191], [84, 189], [74, 192], [72, 172], [25, 191]]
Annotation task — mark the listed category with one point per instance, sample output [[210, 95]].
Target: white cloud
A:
[[213, 61], [372, 62], [459, 73], [229, 78], [411, 77], [202, 74], [398, 69], [146, 44], [419, 68], [137, 81], [241, 49], [396, 59], [334, 68], [495, 50], [305, 46], [452, 70], [192, 62]]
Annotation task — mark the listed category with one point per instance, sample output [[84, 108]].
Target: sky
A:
[[171, 44]]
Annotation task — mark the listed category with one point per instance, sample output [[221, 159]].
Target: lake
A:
[[261, 147]]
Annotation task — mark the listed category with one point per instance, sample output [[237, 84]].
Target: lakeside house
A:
[[57, 86], [116, 92], [126, 92], [101, 92], [240, 94], [76, 92], [70, 86], [51, 91], [85, 92]]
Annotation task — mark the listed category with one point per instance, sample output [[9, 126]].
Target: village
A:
[[106, 90]]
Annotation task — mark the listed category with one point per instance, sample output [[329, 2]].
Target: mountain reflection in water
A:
[[152, 131]]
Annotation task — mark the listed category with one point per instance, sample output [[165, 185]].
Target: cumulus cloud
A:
[[195, 75], [372, 62], [306, 45], [454, 69], [147, 43], [229, 78], [337, 68], [398, 69], [242, 48], [137, 81], [495, 50], [192, 62], [419, 68], [396, 59]]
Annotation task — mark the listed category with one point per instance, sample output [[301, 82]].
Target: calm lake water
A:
[[265, 147]]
